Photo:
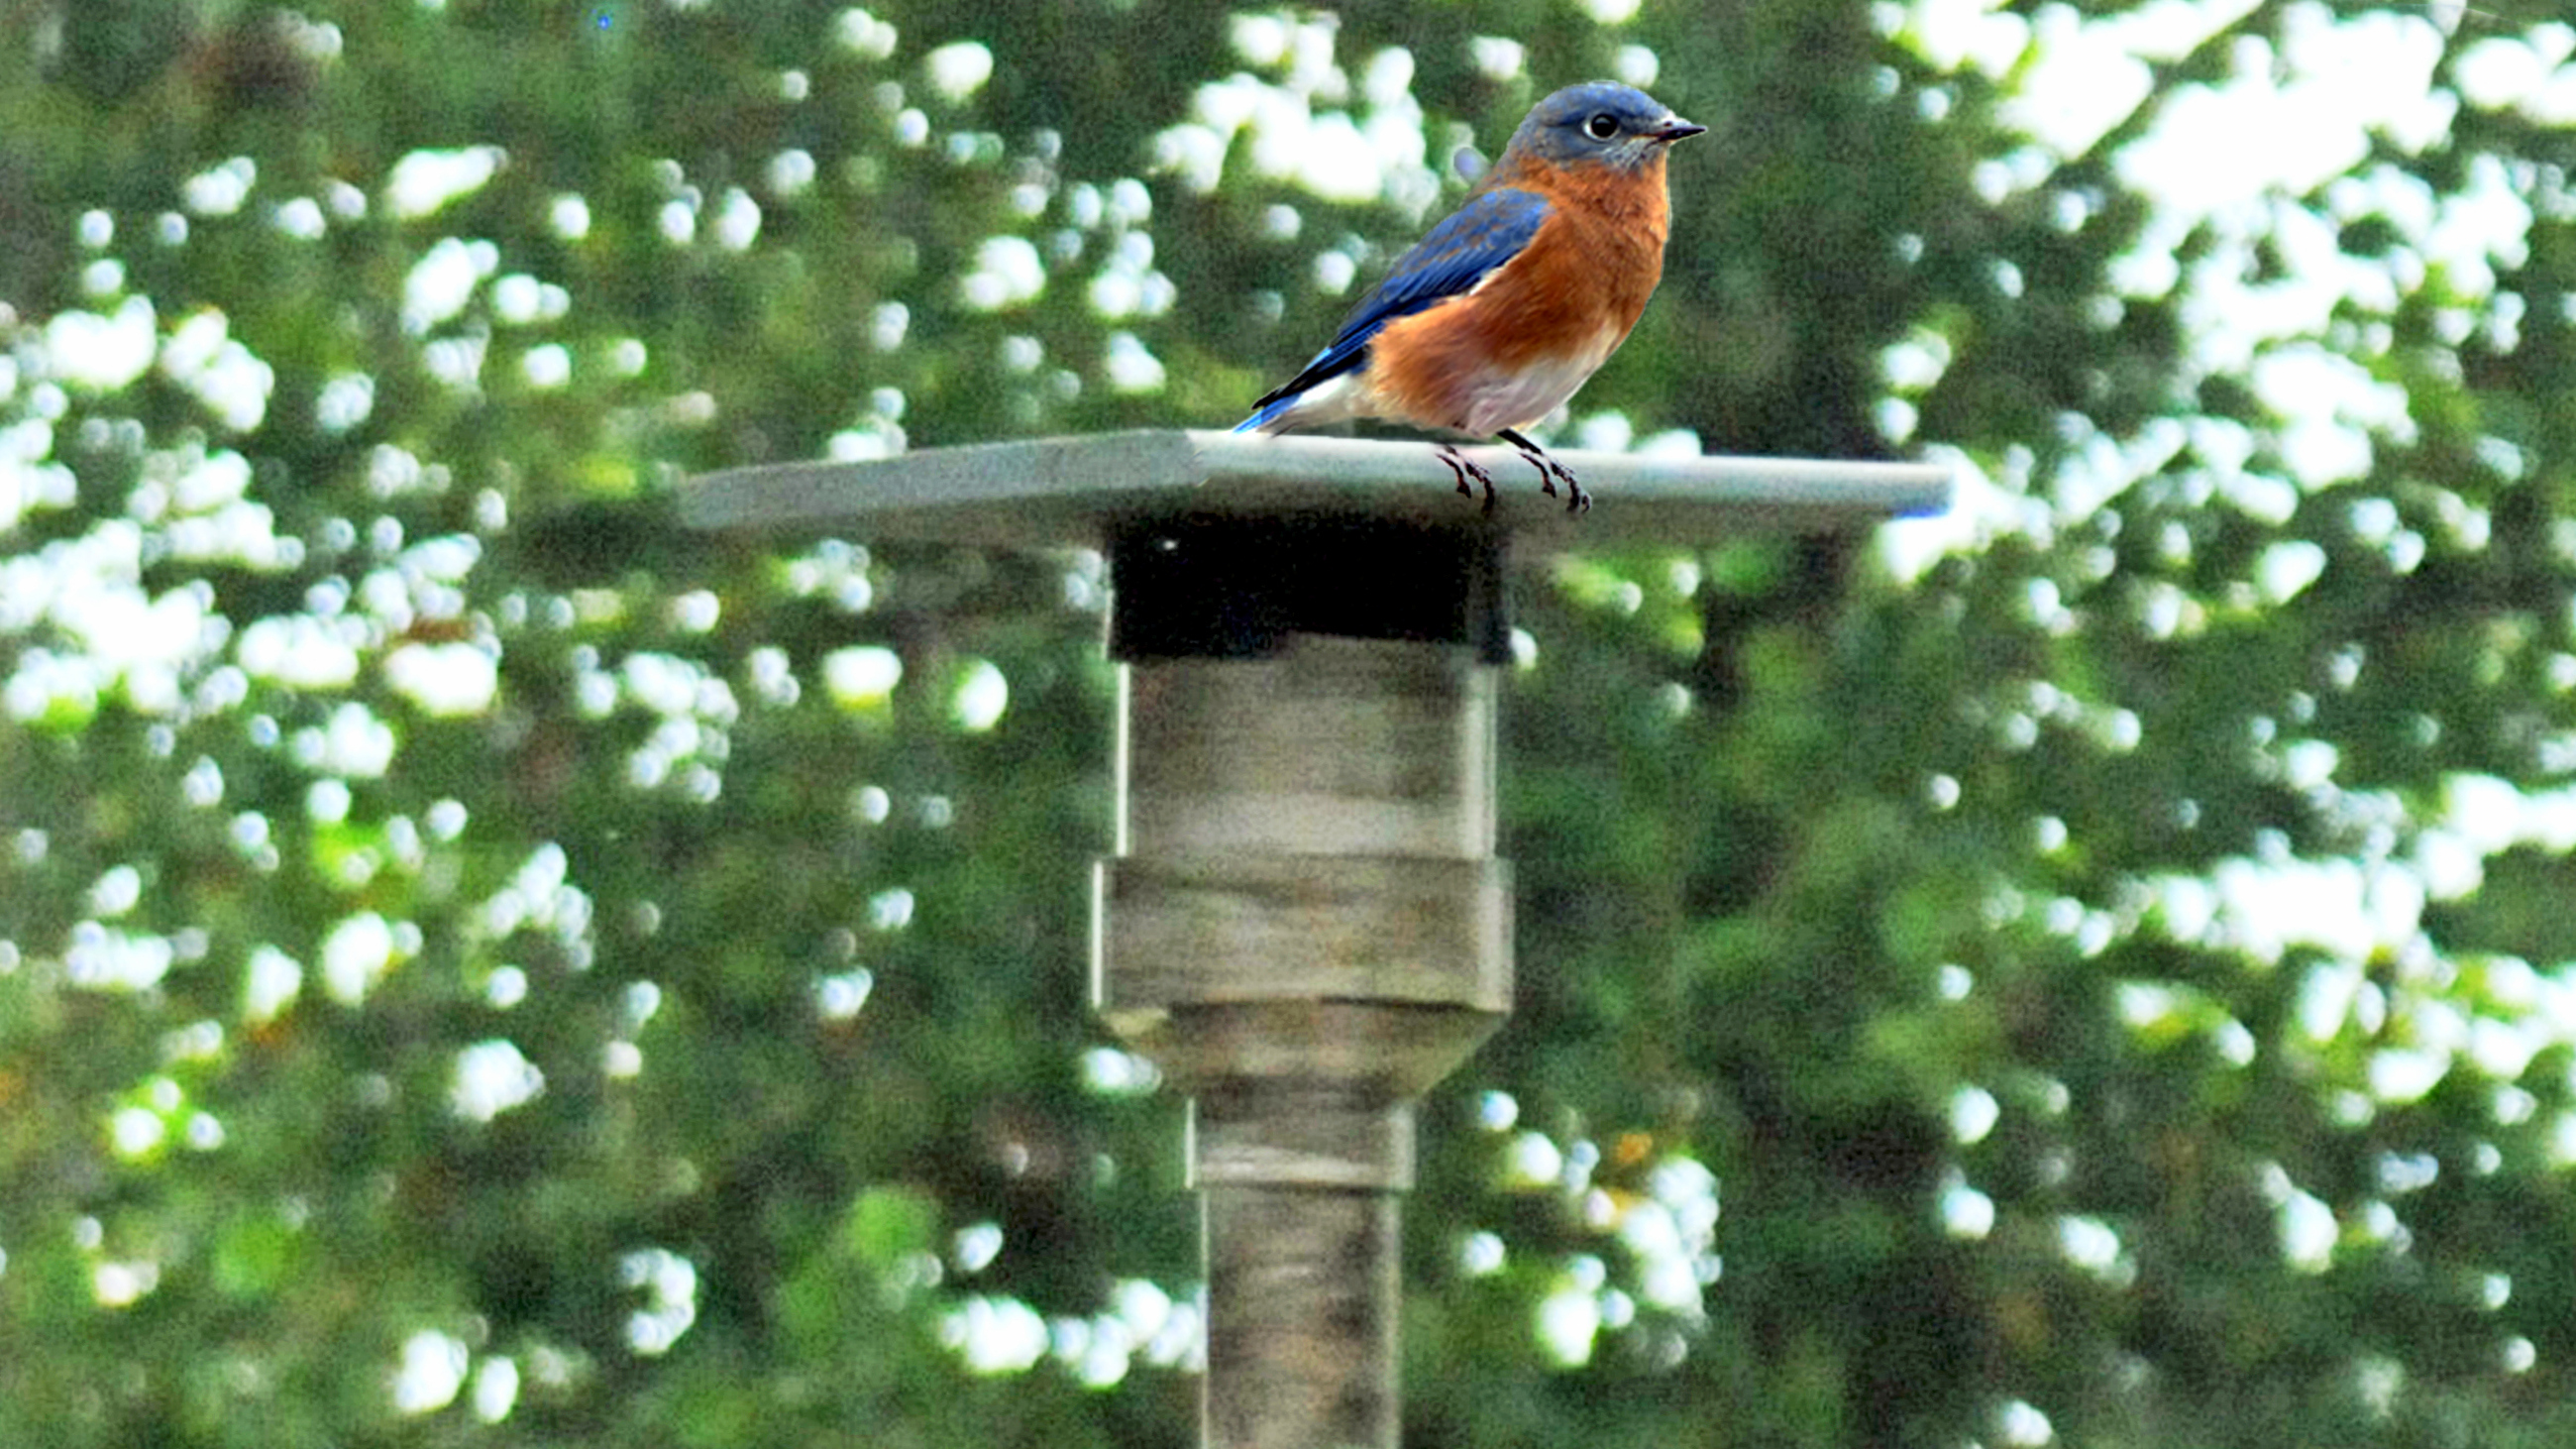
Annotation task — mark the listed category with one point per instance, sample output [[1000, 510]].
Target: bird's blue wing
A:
[[1461, 251], [1469, 243]]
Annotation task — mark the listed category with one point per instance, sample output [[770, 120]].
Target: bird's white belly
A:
[[1502, 399]]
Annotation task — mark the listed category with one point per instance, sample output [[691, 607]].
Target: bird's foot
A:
[[1549, 471], [1465, 469]]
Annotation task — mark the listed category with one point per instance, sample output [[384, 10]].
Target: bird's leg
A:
[[1464, 469], [1549, 470]]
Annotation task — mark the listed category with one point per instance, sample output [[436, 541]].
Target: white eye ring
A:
[[1601, 127]]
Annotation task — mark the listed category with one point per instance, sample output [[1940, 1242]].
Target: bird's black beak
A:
[[1675, 128]]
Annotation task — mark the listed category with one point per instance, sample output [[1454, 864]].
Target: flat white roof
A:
[[1051, 492]]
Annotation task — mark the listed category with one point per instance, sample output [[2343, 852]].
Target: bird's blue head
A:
[[1599, 122]]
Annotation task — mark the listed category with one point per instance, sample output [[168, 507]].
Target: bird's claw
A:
[[1576, 500]]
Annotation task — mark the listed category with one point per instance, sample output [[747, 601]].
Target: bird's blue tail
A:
[[1268, 413]]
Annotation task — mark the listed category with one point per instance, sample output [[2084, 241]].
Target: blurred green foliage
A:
[[481, 965]]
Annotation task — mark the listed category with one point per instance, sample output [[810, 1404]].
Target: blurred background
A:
[[480, 965]]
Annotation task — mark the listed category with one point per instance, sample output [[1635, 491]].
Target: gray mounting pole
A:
[[1303, 922], [1305, 925]]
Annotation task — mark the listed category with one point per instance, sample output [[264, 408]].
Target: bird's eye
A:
[[1602, 127]]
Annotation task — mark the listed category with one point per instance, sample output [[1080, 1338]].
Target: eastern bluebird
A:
[[1494, 319]]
